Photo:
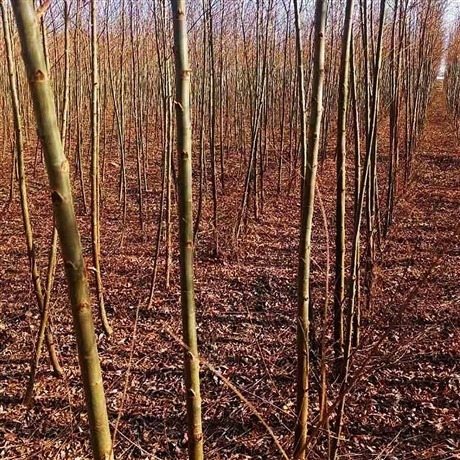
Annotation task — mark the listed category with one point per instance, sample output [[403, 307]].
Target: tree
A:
[[184, 159], [95, 182], [61, 194], [341, 148], [306, 225], [42, 301]]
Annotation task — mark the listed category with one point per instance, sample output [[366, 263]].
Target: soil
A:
[[405, 406]]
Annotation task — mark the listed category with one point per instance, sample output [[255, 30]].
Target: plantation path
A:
[[413, 398]]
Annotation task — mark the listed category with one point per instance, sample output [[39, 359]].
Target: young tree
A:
[[184, 159], [341, 148], [95, 176], [307, 205], [58, 173], [44, 331]]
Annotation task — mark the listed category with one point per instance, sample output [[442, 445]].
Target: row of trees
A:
[[245, 87], [265, 101], [452, 76]]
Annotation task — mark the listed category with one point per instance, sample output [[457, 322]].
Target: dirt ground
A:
[[406, 407]]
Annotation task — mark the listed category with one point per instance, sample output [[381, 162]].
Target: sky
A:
[[452, 12]]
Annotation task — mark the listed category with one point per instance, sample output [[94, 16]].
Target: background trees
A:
[[452, 76]]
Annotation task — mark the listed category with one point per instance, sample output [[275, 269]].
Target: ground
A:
[[406, 405]]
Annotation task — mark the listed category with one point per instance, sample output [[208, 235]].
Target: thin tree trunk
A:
[[307, 205], [44, 331], [341, 148], [357, 224], [184, 151], [95, 178]]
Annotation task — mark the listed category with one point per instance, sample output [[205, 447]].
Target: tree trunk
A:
[[307, 204], [58, 172], [184, 152]]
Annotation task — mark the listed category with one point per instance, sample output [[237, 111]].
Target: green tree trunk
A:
[[184, 158], [58, 172], [307, 204]]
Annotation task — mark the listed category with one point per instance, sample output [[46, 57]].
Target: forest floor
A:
[[406, 407]]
